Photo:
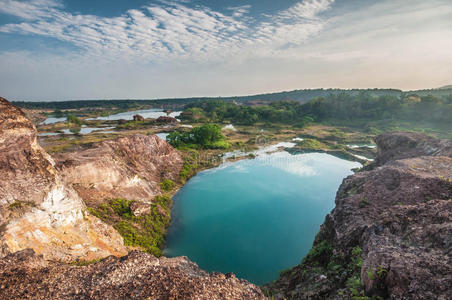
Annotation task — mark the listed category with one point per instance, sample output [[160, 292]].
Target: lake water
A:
[[83, 130], [162, 135], [52, 120], [145, 113], [255, 217]]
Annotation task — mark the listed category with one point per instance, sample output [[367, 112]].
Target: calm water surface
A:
[[255, 217], [145, 113]]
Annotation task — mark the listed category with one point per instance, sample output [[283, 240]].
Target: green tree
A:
[[73, 120]]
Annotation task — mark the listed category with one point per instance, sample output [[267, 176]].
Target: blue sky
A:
[[106, 49]]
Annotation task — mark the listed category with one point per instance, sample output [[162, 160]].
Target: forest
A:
[[344, 108], [301, 96]]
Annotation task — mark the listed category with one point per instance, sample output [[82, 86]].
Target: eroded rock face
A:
[[399, 145], [390, 234], [24, 275], [37, 209], [129, 167]]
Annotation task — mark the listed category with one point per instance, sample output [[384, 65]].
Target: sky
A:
[[146, 49]]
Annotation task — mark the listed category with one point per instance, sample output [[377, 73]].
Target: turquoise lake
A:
[[255, 217]]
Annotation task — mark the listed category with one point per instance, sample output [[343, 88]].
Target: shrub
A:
[[207, 136], [73, 120], [167, 185], [146, 231], [320, 253]]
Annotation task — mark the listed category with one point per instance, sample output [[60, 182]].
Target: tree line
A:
[[343, 107]]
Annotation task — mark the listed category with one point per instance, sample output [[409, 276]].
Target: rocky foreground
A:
[[45, 224], [390, 234], [23, 275]]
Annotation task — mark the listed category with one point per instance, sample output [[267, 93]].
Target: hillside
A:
[[301, 96]]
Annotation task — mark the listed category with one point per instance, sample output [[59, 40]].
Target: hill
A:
[[301, 96]]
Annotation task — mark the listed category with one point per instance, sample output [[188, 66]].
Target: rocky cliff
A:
[[37, 209], [129, 168], [390, 234]]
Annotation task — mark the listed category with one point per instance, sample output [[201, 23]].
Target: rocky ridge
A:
[[37, 208], [129, 168], [390, 234]]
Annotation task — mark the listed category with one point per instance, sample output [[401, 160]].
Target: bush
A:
[[320, 254], [311, 144], [167, 185], [208, 136], [74, 120], [146, 231]]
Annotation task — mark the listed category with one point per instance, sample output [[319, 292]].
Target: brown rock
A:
[[24, 275], [138, 118], [399, 145], [37, 209], [129, 168], [166, 120], [399, 215]]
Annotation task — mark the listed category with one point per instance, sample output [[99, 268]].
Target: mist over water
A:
[[255, 217]]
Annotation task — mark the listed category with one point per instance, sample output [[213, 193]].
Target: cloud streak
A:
[[170, 30]]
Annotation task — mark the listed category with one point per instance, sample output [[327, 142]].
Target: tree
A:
[[73, 120]]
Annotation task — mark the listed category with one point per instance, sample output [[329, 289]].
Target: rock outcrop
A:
[[44, 223], [24, 275], [390, 234], [129, 168], [37, 209], [399, 145]]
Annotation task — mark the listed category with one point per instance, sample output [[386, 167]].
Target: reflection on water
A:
[[255, 217], [145, 113], [52, 120], [83, 130], [162, 135]]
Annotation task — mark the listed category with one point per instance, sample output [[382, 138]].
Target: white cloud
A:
[[175, 50], [170, 30]]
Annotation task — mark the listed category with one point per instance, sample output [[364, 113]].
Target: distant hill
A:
[[301, 96], [446, 87], [308, 94]]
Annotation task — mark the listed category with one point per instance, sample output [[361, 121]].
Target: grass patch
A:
[[167, 185], [146, 231], [311, 144]]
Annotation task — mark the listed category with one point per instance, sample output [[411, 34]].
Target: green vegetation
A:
[[190, 165], [365, 110], [319, 254], [74, 120], [207, 136], [145, 231], [17, 205], [311, 144], [167, 185], [75, 130]]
